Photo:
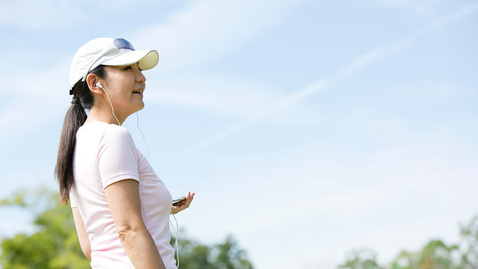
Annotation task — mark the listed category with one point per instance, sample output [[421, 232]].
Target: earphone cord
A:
[[176, 231], [144, 139], [112, 109]]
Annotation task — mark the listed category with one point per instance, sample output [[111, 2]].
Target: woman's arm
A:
[[125, 206], [82, 235]]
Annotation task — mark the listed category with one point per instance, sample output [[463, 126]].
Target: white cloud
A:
[[48, 14], [224, 94], [208, 30], [425, 90], [431, 8], [37, 97], [352, 68], [221, 93], [412, 167], [423, 7], [57, 14]]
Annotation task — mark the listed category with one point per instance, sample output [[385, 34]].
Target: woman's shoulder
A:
[[105, 130], [116, 132]]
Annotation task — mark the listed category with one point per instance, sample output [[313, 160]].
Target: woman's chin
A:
[[139, 104]]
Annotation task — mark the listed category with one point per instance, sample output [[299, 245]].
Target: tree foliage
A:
[[54, 244], [435, 254], [469, 247], [225, 255], [361, 259]]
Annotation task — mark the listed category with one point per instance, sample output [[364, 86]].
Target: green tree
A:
[[469, 246], [192, 254], [225, 255], [434, 255], [54, 244], [362, 258], [437, 255], [231, 256], [406, 260]]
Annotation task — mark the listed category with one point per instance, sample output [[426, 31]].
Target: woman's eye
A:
[[127, 67]]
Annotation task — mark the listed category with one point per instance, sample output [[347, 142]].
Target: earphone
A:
[[111, 104]]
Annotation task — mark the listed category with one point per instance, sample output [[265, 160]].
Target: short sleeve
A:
[[117, 156], [72, 201]]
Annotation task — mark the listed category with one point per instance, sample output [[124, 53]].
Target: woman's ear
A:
[[92, 80]]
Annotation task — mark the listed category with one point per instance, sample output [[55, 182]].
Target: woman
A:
[[120, 207]]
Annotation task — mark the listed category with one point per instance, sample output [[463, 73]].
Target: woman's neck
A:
[[104, 115]]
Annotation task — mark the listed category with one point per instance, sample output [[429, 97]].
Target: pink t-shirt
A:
[[105, 154]]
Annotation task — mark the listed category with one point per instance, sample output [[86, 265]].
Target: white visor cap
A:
[[109, 51]]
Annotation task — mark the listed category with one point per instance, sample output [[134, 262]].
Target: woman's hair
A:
[[74, 118]]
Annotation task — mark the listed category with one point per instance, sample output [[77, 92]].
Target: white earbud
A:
[[109, 100], [99, 85]]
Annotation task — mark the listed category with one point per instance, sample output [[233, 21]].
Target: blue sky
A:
[[306, 128]]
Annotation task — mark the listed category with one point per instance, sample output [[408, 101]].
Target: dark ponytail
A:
[[74, 118]]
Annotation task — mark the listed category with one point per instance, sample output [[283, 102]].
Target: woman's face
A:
[[125, 86]]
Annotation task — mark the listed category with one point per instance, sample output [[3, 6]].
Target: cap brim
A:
[[146, 59]]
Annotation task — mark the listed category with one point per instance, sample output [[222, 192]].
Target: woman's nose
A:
[[139, 76]]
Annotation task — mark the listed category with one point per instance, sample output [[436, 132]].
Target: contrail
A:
[[352, 68]]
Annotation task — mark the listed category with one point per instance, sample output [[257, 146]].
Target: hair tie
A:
[[76, 101]]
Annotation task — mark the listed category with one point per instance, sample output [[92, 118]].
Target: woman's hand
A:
[[180, 206]]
